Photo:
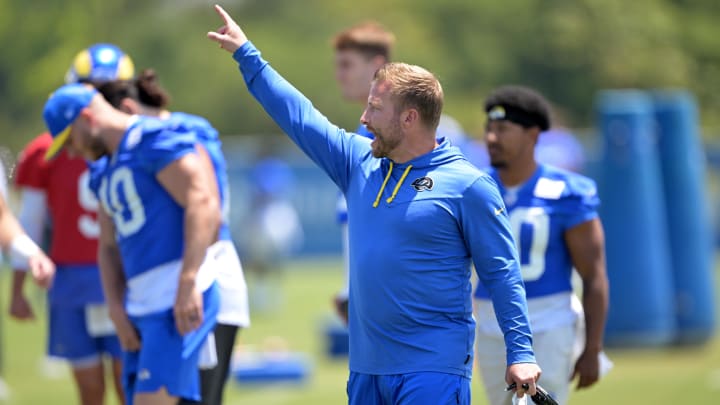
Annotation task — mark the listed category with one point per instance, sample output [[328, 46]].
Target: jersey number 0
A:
[[128, 214], [531, 224]]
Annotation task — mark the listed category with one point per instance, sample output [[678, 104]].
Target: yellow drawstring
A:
[[397, 187], [387, 177]]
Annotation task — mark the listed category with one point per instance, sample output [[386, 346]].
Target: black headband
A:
[[518, 116]]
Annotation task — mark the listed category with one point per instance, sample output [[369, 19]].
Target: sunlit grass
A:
[[299, 306]]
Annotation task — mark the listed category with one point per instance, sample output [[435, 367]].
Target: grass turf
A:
[[298, 309]]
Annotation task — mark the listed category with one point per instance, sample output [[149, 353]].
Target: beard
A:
[[386, 140], [496, 160], [95, 149]]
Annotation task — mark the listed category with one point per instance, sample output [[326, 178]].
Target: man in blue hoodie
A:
[[418, 212]]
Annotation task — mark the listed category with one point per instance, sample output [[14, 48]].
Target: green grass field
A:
[[649, 376]]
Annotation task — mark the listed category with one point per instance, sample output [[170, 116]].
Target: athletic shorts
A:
[[422, 388], [167, 359], [70, 336]]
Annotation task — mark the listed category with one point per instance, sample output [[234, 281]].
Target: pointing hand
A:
[[229, 36]]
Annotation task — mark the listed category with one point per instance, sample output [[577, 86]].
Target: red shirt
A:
[[72, 205]]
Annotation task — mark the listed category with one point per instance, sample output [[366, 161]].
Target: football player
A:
[[55, 196], [553, 216], [160, 213]]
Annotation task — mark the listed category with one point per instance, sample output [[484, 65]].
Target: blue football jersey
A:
[[148, 221], [540, 211], [209, 138]]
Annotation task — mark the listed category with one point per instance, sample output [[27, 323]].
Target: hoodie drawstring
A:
[[397, 187]]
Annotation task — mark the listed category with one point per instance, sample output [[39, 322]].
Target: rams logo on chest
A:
[[422, 184]]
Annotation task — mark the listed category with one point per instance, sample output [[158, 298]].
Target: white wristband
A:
[[22, 248]]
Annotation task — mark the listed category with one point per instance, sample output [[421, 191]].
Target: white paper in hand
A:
[[605, 364], [520, 401]]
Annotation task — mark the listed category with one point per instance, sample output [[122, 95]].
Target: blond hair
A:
[[413, 87]]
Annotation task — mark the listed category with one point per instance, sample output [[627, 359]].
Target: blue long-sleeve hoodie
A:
[[414, 228]]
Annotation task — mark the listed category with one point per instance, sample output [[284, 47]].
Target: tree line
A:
[[567, 50]]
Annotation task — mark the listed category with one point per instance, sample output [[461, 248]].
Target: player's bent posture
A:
[[556, 227], [144, 96], [160, 215], [418, 213], [55, 194]]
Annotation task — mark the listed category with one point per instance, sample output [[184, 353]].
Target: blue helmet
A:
[[100, 63]]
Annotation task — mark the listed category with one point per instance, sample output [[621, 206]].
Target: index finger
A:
[[223, 14]]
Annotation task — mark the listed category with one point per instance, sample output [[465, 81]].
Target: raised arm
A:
[[325, 143]]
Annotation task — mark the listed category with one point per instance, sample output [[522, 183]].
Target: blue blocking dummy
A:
[[633, 212], [687, 212]]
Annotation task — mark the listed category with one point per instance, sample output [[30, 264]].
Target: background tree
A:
[[568, 50]]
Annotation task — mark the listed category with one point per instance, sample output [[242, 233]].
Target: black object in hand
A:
[[541, 396], [343, 308]]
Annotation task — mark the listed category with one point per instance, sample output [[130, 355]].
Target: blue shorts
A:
[[167, 359], [69, 338], [76, 286], [429, 388]]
